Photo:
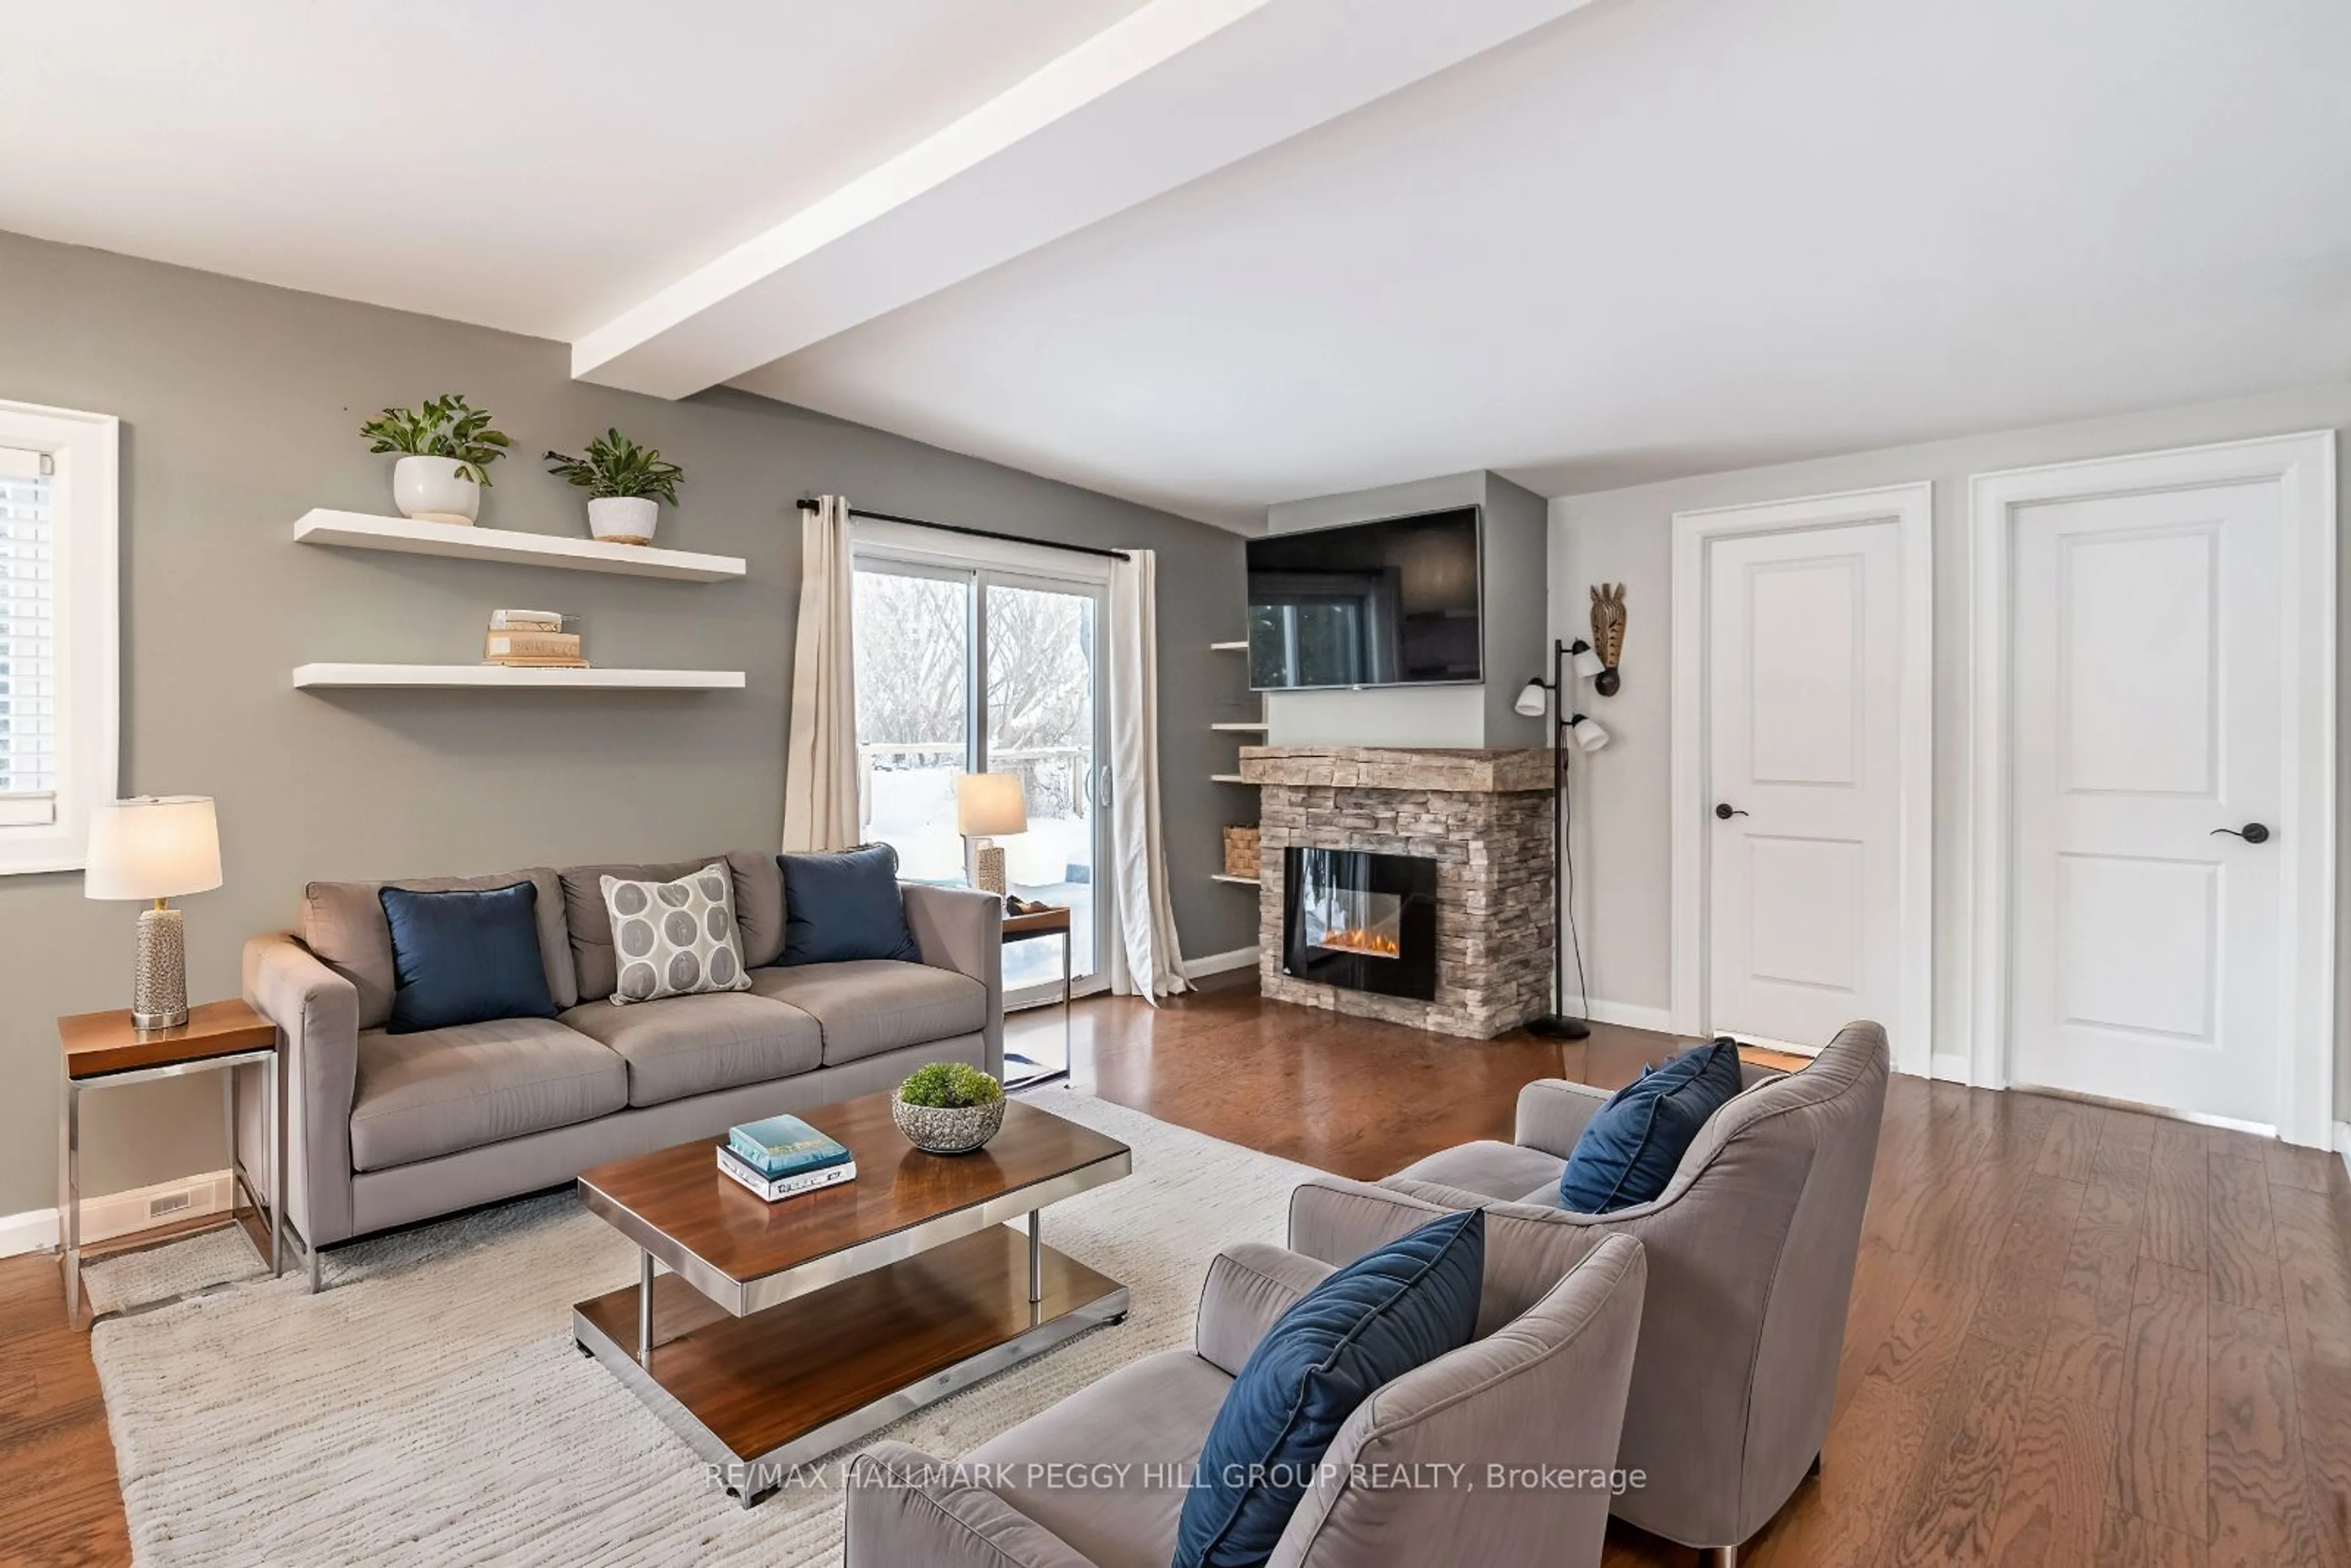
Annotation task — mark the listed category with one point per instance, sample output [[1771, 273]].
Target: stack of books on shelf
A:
[[782, 1157], [532, 639]]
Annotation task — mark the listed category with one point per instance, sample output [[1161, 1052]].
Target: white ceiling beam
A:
[[1170, 92]]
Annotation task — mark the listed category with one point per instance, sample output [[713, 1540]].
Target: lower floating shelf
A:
[[512, 678], [1235, 881]]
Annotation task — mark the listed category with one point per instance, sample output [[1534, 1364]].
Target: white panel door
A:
[[2146, 942], [1803, 755]]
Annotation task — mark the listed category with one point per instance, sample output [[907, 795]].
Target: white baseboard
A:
[[1220, 963], [117, 1213], [2343, 1143], [1950, 1067], [1628, 1015]]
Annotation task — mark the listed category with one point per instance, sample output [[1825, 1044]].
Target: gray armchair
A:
[[1098, 1481], [1750, 1252]]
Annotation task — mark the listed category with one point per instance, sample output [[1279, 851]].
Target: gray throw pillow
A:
[[676, 939]]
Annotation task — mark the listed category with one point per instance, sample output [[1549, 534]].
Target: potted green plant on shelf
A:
[[623, 480], [448, 447], [948, 1108]]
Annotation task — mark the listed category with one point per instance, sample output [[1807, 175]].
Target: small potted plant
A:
[[447, 449], [623, 480], [948, 1108]]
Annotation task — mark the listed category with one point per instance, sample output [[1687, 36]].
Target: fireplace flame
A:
[[1354, 939]]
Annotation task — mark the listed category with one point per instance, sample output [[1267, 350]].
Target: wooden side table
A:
[[102, 1051], [1049, 923]]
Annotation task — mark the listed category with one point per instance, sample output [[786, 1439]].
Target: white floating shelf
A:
[[1226, 778], [509, 678], [364, 531], [1257, 727], [1235, 881], [1240, 647]]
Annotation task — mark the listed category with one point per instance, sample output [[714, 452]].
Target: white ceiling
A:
[[1650, 237], [535, 165]]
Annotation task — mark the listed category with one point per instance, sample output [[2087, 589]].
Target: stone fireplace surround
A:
[[1483, 816]]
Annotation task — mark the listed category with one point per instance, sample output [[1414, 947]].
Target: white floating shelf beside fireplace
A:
[[1235, 881], [1239, 647], [1255, 726]]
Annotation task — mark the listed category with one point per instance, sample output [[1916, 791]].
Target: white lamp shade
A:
[[152, 847], [989, 803], [1531, 699], [1588, 665], [1587, 734]]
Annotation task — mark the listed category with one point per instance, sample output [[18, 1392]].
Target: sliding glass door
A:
[[1038, 643], [983, 670]]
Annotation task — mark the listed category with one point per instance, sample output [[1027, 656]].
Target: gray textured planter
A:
[[948, 1129]]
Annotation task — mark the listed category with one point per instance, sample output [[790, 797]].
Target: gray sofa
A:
[[1750, 1250], [384, 1130], [1097, 1481]]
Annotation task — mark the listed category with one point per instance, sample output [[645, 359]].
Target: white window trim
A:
[[86, 449]]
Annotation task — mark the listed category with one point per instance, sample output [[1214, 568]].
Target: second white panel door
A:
[[1804, 762], [2147, 937]]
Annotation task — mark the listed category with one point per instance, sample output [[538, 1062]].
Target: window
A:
[[58, 657]]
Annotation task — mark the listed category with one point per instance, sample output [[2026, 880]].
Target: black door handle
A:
[[1726, 811], [2251, 832]]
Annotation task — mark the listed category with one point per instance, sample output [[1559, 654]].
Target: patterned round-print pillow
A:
[[676, 939]]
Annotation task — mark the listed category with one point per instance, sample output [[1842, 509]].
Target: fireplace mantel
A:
[[1447, 769]]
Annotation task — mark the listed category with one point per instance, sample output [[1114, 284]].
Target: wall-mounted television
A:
[[1388, 603]]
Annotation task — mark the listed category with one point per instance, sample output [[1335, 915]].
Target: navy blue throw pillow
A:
[[1384, 1314], [1632, 1145], [466, 955], [844, 904]]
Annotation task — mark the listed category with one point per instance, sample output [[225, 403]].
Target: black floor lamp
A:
[[1583, 733]]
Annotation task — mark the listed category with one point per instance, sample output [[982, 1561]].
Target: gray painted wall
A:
[[1516, 548], [1623, 846], [240, 405]]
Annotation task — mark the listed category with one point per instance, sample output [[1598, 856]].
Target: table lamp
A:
[[988, 804], [158, 848]]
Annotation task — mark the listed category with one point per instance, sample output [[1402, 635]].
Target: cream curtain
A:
[[1154, 962], [821, 758]]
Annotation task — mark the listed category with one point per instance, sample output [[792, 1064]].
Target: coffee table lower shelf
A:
[[759, 1395]]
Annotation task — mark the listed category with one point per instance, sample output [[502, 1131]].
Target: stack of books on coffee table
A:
[[782, 1157]]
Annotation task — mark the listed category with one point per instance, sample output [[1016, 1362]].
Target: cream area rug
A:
[[430, 1407]]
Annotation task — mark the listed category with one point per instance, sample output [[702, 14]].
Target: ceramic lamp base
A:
[[988, 868], [159, 984]]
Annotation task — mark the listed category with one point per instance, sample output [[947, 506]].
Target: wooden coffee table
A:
[[783, 1330]]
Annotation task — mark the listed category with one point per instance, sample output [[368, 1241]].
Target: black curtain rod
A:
[[808, 504]]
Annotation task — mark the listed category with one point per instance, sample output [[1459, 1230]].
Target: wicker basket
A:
[[1241, 851]]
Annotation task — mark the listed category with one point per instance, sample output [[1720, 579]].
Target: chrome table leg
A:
[[644, 1308], [70, 1199]]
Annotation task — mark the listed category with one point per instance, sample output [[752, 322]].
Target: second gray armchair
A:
[[1750, 1250]]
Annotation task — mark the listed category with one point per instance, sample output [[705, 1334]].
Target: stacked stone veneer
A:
[[1483, 816]]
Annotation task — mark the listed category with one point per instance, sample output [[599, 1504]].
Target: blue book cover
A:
[[785, 1145]]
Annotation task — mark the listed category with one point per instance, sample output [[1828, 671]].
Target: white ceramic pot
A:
[[431, 490], [624, 519]]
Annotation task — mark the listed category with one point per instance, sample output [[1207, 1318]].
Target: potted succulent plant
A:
[[448, 447], [948, 1108], [623, 480]]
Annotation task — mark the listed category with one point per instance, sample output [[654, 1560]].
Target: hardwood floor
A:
[[2077, 1336]]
